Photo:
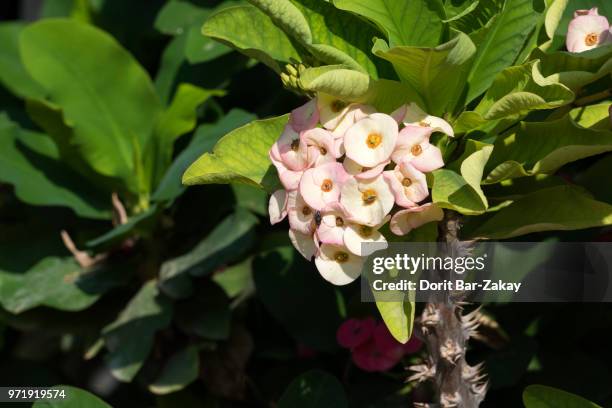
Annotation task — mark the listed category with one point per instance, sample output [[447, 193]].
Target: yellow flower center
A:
[[323, 150], [591, 39], [341, 257], [423, 123], [339, 222], [406, 182], [337, 105], [416, 150], [306, 210], [365, 231], [327, 185], [373, 140], [369, 196]]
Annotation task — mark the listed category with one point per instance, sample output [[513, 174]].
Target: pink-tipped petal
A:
[[405, 221], [305, 117], [277, 206]]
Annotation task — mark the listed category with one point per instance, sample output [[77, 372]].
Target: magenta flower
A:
[[354, 332]]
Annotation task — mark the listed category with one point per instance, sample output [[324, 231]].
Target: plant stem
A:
[[446, 332]]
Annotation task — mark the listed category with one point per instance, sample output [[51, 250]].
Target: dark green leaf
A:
[[541, 396], [181, 369], [75, 398], [314, 389]]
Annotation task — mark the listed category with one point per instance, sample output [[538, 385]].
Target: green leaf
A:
[[12, 73], [287, 284], [314, 389], [354, 86], [75, 398], [206, 314], [172, 59], [543, 147], [253, 33], [106, 97], [552, 209], [55, 282], [203, 141], [576, 70], [398, 317], [226, 243], [179, 118], [438, 74], [541, 396], [129, 339], [451, 190], [475, 16], [416, 23], [138, 224], [499, 43], [518, 90], [181, 369], [592, 179], [251, 198], [31, 162], [199, 49], [235, 279], [177, 16], [592, 116], [240, 156], [287, 16]]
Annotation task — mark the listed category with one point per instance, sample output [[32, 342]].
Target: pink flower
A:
[[301, 216], [321, 144], [587, 30], [332, 226], [409, 185], [357, 234], [321, 185], [277, 207], [413, 146], [290, 156], [354, 332], [371, 141], [305, 117], [405, 221], [369, 357], [360, 172], [355, 113]]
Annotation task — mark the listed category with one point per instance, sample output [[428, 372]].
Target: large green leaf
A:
[[592, 116], [75, 398], [553, 209], [104, 94], [181, 369], [141, 223], [206, 314], [240, 156], [12, 73], [226, 243], [55, 282], [438, 74], [575, 70], [177, 16], [398, 317], [253, 33], [470, 16], [179, 118], [129, 339], [593, 179], [416, 23], [287, 16], [541, 396], [462, 192], [31, 162], [203, 141], [314, 389], [543, 147], [499, 43], [518, 90], [287, 284]]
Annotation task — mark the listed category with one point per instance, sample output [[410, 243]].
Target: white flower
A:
[[304, 243], [332, 226], [337, 265], [322, 144], [367, 201], [301, 216], [371, 141], [356, 234], [412, 114], [360, 172], [331, 110], [405, 221], [277, 207], [408, 184], [587, 30]]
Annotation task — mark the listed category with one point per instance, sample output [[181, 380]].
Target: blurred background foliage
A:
[[187, 297]]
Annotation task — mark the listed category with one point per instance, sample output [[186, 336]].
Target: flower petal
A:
[[277, 206], [305, 117], [371, 140], [337, 265], [367, 202], [372, 240], [304, 243], [405, 221]]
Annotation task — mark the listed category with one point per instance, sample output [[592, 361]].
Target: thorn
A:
[[470, 323], [451, 351], [450, 400], [429, 318], [119, 214], [82, 257], [422, 372], [425, 405]]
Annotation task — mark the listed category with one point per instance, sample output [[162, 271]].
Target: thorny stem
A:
[[446, 331]]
